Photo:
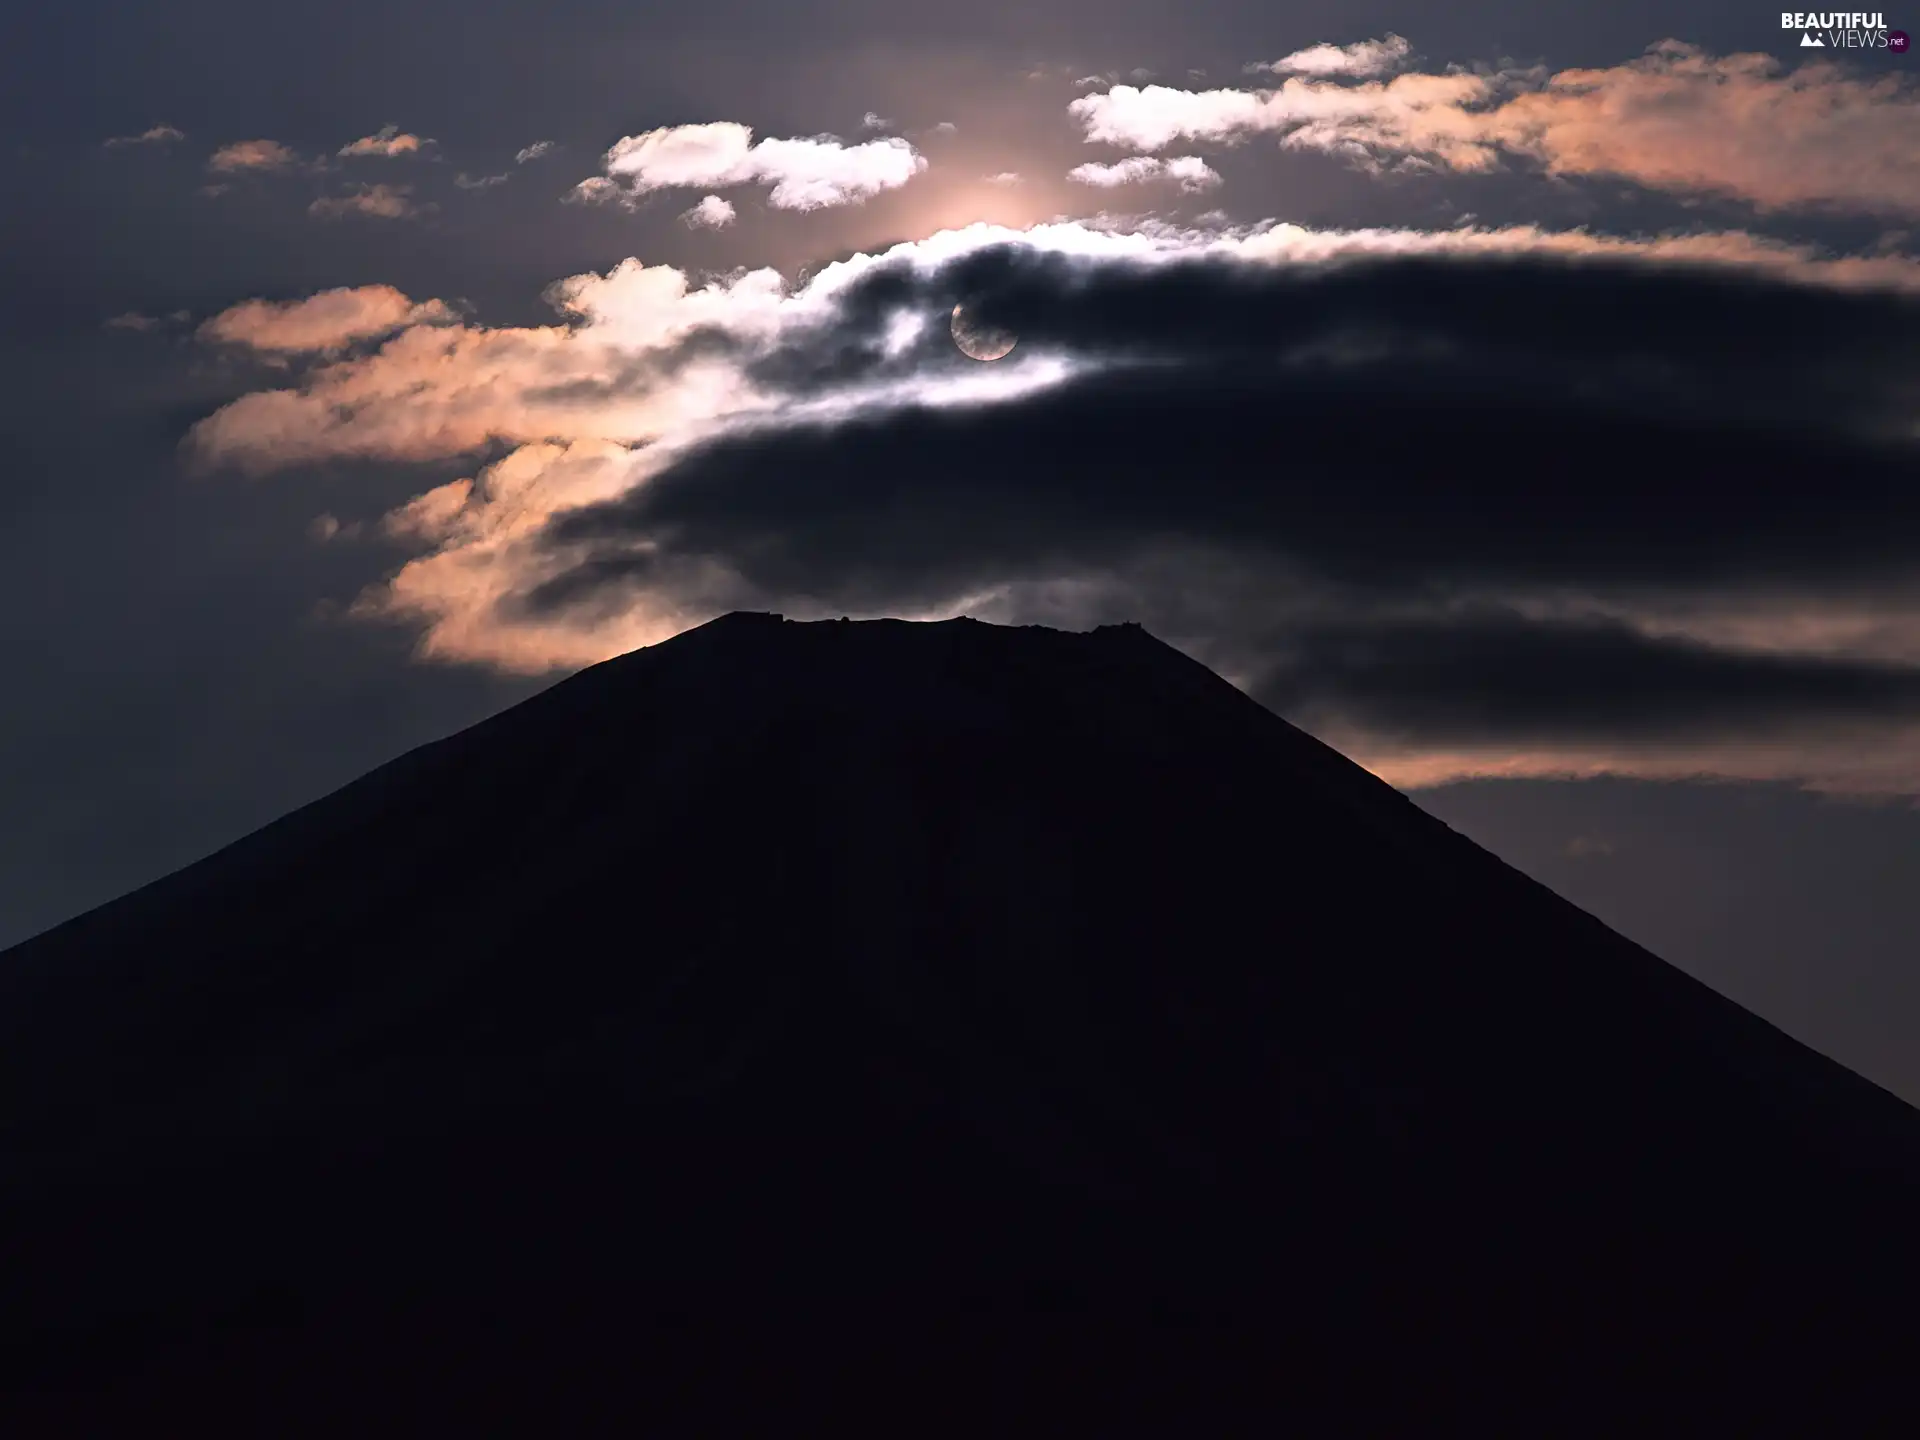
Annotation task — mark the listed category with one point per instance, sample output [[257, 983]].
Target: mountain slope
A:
[[786, 968]]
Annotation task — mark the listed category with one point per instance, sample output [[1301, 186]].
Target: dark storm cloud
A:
[[1403, 424], [1413, 431], [1461, 677], [1689, 335]]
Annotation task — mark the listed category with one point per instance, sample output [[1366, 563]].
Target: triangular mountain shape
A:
[[1809, 42], [892, 970]]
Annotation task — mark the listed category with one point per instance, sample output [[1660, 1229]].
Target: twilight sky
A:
[[1524, 399]]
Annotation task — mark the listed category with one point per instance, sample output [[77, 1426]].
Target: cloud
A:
[[1004, 177], [1467, 502], [946, 127], [389, 142], [804, 174], [330, 320], [1306, 452], [595, 190], [478, 182], [533, 152], [384, 202], [1363, 60], [251, 155], [324, 529], [1677, 119], [1454, 677], [712, 213], [1190, 171], [153, 135], [133, 320], [873, 120]]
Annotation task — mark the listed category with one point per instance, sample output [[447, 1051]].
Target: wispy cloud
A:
[[873, 120], [381, 202], [478, 182], [802, 174], [1191, 172], [1677, 119], [251, 155], [155, 135], [326, 528], [1362, 60], [388, 142], [1112, 77], [133, 320], [533, 152]]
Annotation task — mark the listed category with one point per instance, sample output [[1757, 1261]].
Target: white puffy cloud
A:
[[1191, 172], [712, 213], [803, 174]]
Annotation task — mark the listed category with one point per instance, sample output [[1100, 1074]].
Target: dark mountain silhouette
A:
[[904, 980]]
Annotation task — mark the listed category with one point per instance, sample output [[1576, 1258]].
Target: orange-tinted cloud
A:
[[389, 142], [383, 202], [1677, 119], [329, 320], [251, 155], [1868, 759]]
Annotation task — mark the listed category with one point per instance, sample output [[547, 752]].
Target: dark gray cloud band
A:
[[1402, 438]]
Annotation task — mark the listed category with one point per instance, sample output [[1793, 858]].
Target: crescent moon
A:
[[982, 342]]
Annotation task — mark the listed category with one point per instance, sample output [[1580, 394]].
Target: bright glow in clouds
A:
[[589, 408], [804, 174], [1675, 119]]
